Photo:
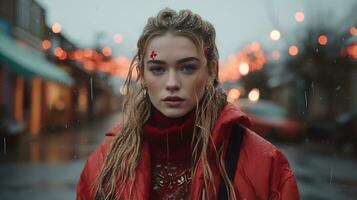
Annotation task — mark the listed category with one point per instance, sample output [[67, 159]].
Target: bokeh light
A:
[[322, 39], [275, 35], [254, 94], [233, 94], [46, 44], [56, 28], [87, 52], [118, 38], [299, 16], [293, 50], [58, 51], [353, 31], [107, 51], [243, 68]]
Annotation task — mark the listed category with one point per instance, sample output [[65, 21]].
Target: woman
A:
[[177, 127]]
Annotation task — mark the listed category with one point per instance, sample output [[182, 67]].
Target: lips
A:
[[173, 101], [173, 98]]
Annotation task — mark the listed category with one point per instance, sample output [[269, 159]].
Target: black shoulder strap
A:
[[231, 158]]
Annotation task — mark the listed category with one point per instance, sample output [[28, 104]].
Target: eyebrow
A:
[[177, 62]]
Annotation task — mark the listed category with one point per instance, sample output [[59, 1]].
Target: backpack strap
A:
[[231, 158]]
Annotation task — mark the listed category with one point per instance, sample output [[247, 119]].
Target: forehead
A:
[[171, 47]]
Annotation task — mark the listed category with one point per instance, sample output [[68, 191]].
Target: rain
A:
[[4, 145]]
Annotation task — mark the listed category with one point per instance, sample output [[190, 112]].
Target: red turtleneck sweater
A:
[[171, 153]]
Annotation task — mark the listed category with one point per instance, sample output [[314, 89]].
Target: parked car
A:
[[271, 120]]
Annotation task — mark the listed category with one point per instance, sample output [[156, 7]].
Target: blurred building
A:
[[25, 71], [44, 82]]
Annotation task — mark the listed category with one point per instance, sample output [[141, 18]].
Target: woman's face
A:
[[174, 74]]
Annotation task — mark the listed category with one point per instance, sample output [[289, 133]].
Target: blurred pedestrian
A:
[[179, 138]]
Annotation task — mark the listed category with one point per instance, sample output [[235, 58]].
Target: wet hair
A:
[[123, 156]]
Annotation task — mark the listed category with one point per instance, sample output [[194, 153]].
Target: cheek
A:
[[199, 85], [153, 85]]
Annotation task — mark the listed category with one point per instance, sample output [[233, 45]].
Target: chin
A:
[[174, 113]]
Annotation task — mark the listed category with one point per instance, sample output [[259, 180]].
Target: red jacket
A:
[[263, 171]]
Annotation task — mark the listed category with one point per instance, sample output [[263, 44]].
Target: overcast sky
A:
[[237, 22]]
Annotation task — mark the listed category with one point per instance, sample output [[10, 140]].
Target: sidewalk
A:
[[48, 167]]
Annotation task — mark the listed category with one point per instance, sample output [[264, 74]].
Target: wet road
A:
[[321, 173], [48, 167]]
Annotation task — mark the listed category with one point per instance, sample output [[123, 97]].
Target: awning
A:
[[29, 62]]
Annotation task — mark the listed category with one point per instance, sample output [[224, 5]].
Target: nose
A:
[[172, 83]]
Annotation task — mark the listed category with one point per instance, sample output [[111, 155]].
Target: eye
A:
[[188, 69], [157, 70]]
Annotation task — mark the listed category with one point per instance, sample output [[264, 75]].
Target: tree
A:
[[320, 64]]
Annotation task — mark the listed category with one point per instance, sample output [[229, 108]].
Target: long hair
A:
[[122, 158]]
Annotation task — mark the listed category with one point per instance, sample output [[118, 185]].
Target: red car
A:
[[271, 120]]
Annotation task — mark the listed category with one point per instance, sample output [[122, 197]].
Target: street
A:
[[48, 167]]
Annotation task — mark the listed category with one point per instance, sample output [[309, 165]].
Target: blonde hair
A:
[[124, 153]]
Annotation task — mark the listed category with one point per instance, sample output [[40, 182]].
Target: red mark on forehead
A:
[[153, 55]]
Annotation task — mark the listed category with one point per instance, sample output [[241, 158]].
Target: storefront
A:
[[26, 75]]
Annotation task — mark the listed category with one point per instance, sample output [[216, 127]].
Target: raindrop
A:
[[4, 145], [66, 126], [317, 50], [91, 88], [338, 88], [305, 99], [331, 174], [313, 88]]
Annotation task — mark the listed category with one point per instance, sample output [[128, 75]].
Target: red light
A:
[[58, 51], [46, 44], [63, 56], [322, 40], [293, 50]]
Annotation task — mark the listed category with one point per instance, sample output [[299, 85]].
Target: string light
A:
[[46, 44], [56, 28]]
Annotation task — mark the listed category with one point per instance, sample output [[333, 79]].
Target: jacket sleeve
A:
[[283, 184], [83, 191]]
